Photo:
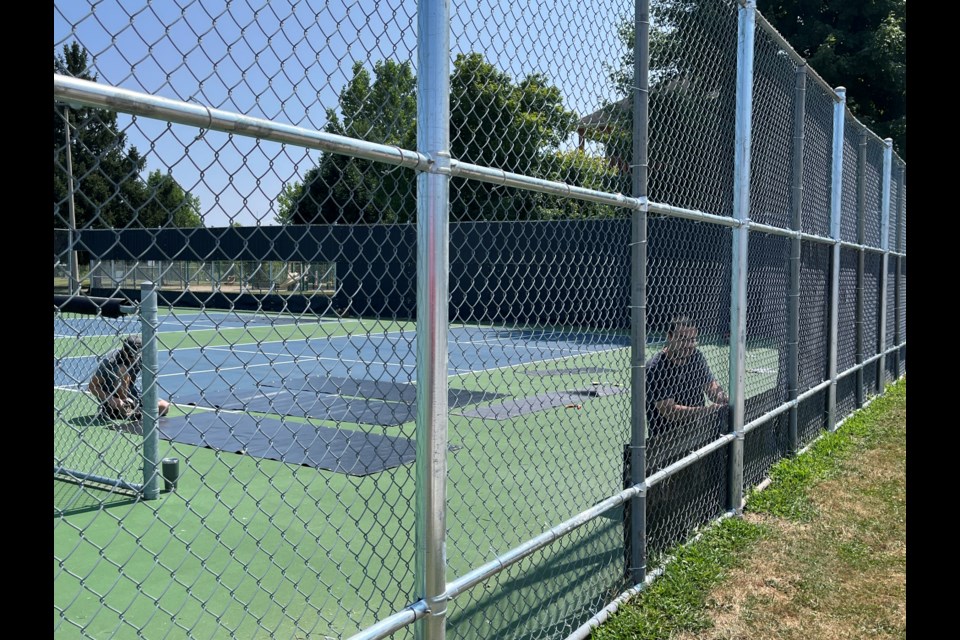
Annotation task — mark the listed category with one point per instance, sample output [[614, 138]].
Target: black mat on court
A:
[[309, 404], [354, 453], [379, 403], [571, 371], [384, 390], [541, 402]]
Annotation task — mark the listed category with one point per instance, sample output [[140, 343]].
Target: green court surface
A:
[[254, 548]]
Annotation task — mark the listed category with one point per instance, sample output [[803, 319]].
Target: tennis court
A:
[[277, 412], [275, 415]]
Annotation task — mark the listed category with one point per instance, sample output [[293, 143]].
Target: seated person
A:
[[114, 384], [679, 381]]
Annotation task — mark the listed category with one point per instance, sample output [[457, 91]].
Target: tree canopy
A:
[[517, 126], [859, 44], [108, 189]]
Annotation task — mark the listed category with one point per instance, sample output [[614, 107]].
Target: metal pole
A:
[[793, 297], [861, 257], [899, 247], [433, 140], [836, 192], [149, 408], [741, 235], [885, 245], [71, 207], [636, 568]]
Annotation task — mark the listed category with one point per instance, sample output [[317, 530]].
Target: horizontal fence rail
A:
[[387, 320]]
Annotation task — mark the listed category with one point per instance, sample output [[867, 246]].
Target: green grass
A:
[[676, 599]]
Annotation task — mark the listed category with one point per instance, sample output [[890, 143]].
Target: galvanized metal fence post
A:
[[149, 409], [71, 207], [836, 196], [898, 312], [433, 189], [741, 234], [638, 297], [885, 246], [793, 297], [861, 258]]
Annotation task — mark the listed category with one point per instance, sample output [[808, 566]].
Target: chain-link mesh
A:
[[902, 299], [814, 313], [774, 100], [873, 192], [685, 500], [846, 396], [688, 293], [764, 446], [95, 458], [692, 99], [894, 206], [847, 319], [890, 320], [539, 311], [850, 176], [766, 366], [872, 270], [285, 262], [811, 418], [872, 266], [902, 214], [817, 160]]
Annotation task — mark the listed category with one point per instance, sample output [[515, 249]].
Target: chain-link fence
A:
[[454, 317]]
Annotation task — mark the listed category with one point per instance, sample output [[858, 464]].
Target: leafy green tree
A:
[[379, 108], [692, 72], [859, 44], [108, 189], [287, 201], [167, 204], [497, 123], [578, 169], [494, 121]]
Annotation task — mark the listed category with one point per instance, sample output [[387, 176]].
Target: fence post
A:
[[899, 247], [71, 208], [149, 408], [793, 297], [836, 195], [741, 235], [433, 231], [637, 543], [885, 246], [861, 257]]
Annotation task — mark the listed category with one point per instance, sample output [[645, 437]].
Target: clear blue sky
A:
[[287, 61]]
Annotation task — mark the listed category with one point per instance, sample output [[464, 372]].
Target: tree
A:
[[493, 122], [167, 204], [692, 71], [108, 189], [343, 189], [859, 44], [497, 123]]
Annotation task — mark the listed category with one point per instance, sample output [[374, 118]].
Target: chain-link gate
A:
[[465, 314]]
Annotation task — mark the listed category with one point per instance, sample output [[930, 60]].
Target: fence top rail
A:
[[76, 91]]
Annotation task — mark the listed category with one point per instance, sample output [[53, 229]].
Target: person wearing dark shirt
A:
[[679, 383], [114, 384]]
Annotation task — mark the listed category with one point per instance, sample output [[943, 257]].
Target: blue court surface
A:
[[365, 378]]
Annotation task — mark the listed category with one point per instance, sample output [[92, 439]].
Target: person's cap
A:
[[133, 343]]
